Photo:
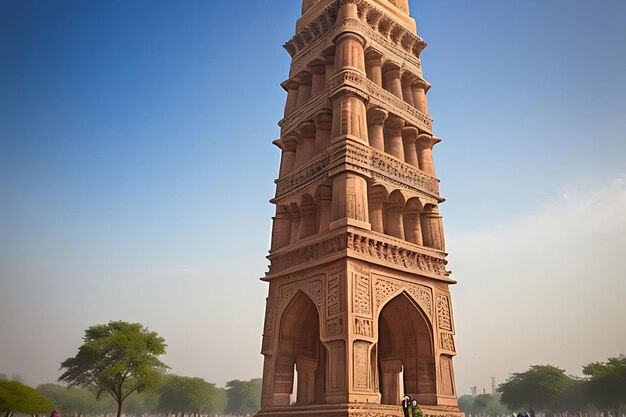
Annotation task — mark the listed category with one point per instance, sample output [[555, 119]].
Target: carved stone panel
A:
[[334, 327], [446, 385], [363, 327], [361, 368], [361, 295], [333, 295], [312, 288], [444, 319], [268, 328], [447, 342]]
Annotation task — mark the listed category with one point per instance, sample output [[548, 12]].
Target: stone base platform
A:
[[355, 410]]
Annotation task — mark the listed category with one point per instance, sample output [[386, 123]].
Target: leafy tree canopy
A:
[[76, 400], [244, 397], [537, 388], [607, 383], [117, 358], [483, 404], [17, 397], [190, 395]]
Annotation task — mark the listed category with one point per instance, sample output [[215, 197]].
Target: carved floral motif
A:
[[311, 288], [421, 294], [443, 313], [361, 297], [447, 342], [333, 295]]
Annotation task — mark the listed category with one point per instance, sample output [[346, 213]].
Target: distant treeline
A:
[[546, 389], [173, 395]]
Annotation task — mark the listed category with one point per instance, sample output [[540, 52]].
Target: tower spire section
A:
[[358, 312]]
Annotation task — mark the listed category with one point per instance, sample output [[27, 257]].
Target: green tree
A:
[[117, 358], [76, 400], [190, 395], [537, 388], [244, 397], [482, 405], [606, 386], [17, 397]]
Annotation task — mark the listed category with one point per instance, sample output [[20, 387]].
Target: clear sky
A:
[[136, 166]]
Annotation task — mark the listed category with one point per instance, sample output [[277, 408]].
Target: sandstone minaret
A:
[[359, 310]]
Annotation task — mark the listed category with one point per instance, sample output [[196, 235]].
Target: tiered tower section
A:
[[359, 309]]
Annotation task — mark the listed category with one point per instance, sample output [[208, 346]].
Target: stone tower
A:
[[359, 310]]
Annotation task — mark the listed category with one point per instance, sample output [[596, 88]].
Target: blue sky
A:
[[136, 166]]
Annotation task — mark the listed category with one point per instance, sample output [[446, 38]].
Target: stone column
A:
[[324, 199], [374, 67], [420, 87], [409, 137], [377, 196], [306, 380], [412, 222], [375, 127], [330, 67], [394, 224], [425, 145], [407, 89], [295, 223], [300, 156], [393, 136], [349, 117], [289, 155], [304, 91], [391, 381], [349, 203], [318, 82], [292, 96], [307, 132], [349, 52], [432, 228], [347, 10], [281, 230], [323, 130], [391, 80]]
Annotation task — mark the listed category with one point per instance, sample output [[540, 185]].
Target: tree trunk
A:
[[119, 408]]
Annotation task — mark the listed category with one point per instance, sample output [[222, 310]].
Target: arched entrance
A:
[[405, 352], [300, 346]]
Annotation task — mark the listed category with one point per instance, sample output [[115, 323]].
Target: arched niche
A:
[[299, 348], [405, 352]]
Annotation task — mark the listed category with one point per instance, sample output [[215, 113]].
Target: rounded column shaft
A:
[[419, 95], [376, 128], [393, 137], [425, 145], [304, 91], [323, 129], [288, 160], [292, 97], [374, 68], [281, 230], [409, 137], [307, 133], [391, 80]]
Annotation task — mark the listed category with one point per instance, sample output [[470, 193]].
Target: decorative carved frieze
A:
[[380, 250], [363, 327], [381, 167], [302, 255], [444, 319], [361, 295], [334, 327], [421, 294]]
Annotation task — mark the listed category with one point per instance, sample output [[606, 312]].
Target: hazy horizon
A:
[[137, 165]]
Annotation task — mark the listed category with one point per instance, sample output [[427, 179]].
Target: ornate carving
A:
[[363, 327], [334, 327], [333, 300], [268, 328], [306, 254], [421, 294], [313, 288], [378, 165], [447, 342], [443, 313], [361, 353], [402, 256], [361, 297]]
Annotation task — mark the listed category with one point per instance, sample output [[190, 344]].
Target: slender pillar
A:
[[300, 153], [349, 118], [289, 155], [306, 380], [281, 231], [407, 88], [432, 228], [409, 138], [377, 196], [375, 126], [393, 136], [374, 67], [318, 80], [348, 10], [324, 202], [295, 223], [425, 145], [394, 221], [420, 88], [323, 130], [304, 91], [292, 96], [391, 80], [412, 222], [307, 132], [330, 67], [349, 52], [349, 200]]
